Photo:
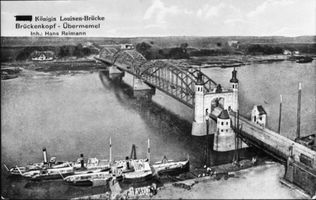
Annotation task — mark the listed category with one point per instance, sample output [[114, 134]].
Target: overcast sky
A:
[[175, 17]]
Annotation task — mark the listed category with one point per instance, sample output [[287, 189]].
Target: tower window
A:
[[222, 130], [226, 123], [233, 86], [222, 123], [226, 130]]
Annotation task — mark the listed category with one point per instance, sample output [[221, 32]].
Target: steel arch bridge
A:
[[177, 80]]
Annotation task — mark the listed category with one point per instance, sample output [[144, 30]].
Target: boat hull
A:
[[137, 179], [176, 170], [81, 183], [51, 176]]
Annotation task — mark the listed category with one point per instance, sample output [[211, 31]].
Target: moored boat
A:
[[141, 171], [19, 170], [50, 173], [170, 167], [87, 179], [304, 59]]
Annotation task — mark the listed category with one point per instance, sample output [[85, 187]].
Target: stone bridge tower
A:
[[211, 104], [235, 86]]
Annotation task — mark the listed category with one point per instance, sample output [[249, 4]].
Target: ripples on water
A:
[[77, 113]]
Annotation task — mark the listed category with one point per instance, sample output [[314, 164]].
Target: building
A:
[[127, 46], [259, 116], [224, 138], [233, 43], [42, 55], [212, 103], [287, 52]]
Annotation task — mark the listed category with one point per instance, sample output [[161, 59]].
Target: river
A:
[[77, 113]]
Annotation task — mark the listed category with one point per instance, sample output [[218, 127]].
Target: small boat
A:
[[50, 173], [304, 59], [87, 179], [170, 167], [18, 170], [140, 171]]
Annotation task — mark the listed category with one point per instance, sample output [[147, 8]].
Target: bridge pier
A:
[[141, 89], [114, 72]]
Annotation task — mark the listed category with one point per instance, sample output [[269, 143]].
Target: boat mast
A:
[[110, 150], [148, 150]]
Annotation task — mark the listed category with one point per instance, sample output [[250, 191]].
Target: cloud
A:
[[269, 5], [210, 11], [235, 21], [158, 12]]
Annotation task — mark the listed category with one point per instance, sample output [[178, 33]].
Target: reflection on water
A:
[[77, 113]]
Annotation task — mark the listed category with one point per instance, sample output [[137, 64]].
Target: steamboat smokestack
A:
[[45, 155], [81, 160]]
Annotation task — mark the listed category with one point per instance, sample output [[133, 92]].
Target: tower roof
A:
[[224, 115], [234, 77], [261, 110], [199, 79]]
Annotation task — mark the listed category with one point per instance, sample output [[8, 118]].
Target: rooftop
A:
[[261, 110], [224, 115]]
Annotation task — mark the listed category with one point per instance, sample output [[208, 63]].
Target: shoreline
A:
[[10, 70], [210, 187]]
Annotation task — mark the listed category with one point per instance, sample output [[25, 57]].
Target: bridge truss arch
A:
[[177, 80]]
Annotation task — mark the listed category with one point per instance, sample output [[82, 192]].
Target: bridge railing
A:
[[274, 141]]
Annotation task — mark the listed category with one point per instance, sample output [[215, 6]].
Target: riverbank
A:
[[258, 182], [12, 69], [233, 60]]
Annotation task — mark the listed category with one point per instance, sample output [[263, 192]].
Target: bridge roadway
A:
[[269, 141]]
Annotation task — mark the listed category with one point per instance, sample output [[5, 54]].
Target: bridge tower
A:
[[235, 87], [224, 138], [199, 124]]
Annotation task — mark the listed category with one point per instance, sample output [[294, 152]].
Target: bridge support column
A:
[[141, 89], [114, 72]]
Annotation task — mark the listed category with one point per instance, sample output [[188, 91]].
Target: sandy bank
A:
[[260, 182]]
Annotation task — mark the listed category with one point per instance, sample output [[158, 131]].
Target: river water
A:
[[77, 113]]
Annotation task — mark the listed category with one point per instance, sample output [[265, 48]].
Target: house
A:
[[296, 52], [259, 116], [224, 138], [287, 52], [42, 55], [127, 46], [233, 43]]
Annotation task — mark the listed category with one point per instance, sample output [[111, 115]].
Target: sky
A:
[[132, 18]]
